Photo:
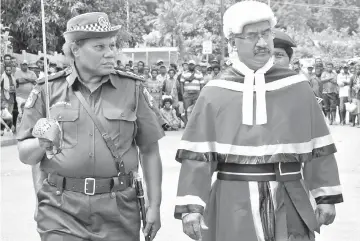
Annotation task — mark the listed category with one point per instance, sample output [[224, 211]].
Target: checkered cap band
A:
[[94, 27]]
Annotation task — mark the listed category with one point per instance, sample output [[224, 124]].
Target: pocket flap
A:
[[64, 114], [118, 114]]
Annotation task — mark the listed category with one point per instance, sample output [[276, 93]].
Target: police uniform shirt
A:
[[84, 152]]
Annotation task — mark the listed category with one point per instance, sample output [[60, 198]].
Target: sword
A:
[[49, 151]]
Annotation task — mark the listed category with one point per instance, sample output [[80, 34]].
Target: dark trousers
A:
[[330, 102], [190, 99]]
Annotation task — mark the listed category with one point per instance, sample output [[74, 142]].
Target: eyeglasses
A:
[[279, 55], [256, 36]]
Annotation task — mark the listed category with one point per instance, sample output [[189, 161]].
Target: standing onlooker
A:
[[146, 73], [210, 71], [7, 62], [204, 72], [317, 85], [343, 81], [128, 68], [25, 81], [169, 115], [118, 65], [155, 86], [216, 72], [135, 69], [355, 95], [159, 63], [170, 88], [163, 74], [191, 83], [34, 68], [141, 66], [329, 80], [14, 64], [8, 90]]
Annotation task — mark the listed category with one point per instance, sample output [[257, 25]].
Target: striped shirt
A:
[[192, 81]]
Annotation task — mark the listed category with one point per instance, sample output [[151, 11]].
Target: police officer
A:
[[99, 119]]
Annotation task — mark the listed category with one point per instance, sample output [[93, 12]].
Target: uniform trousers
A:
[[73, 216]]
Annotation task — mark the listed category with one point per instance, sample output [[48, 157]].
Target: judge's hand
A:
[[192, 225], [325, 214]]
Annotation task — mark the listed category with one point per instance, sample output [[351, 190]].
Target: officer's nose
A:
[[110, 53], [261, 43]]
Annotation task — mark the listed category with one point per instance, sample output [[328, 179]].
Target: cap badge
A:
[[103, 22]]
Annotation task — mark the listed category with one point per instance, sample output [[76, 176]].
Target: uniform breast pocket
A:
[[121, 124], [67, 119]]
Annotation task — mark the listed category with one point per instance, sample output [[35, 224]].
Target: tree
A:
[[24, 19]]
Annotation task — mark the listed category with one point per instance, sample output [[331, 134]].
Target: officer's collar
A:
[[75, 75]]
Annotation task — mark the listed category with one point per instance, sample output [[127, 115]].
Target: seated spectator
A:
[[168, 113]]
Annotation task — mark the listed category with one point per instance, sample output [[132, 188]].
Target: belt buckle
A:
[[86, 191]]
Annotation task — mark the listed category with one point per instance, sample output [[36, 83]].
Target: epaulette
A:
[[55, 76], [129, 75]]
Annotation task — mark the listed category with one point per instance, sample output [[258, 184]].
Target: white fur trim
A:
[[255, 209], [188, 200], [299, 148], [275, 85], [246, 12]]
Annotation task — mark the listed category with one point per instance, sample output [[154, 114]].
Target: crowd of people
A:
[[16, 85], [174, 89], [335, 86]]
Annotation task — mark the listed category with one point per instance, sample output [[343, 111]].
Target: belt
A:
[[280, 171], [90, 186]]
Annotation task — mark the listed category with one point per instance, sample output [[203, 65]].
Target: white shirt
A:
[[342, 79]]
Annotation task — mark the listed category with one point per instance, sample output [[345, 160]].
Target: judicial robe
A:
[[295, 131]]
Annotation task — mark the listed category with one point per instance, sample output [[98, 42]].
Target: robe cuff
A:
[[186, 209], [331, 199]]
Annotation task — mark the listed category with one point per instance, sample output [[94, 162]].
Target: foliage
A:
[[24, 18]]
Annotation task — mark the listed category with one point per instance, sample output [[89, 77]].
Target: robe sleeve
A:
[[197, 162], [321, 173]]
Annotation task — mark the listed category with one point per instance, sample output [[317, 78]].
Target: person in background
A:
[[310, 70], [8, 92], [204, 72], [52, 68], [155, 87], [344, 82], [283, 48], [34, 68], [216, 71], [136, 69], [317, 85], [14, 64], [209, 71], [191, 83], [170, 88], [7, 62], [146, 73], [355, 95], [296, 66], [25, 82], [329, 80], [168, 113], [118, 64], [337, 68], [215, 62], [198, 67], [140, 66], [159, 63], [128, 68], [163, 74], [130, 64]]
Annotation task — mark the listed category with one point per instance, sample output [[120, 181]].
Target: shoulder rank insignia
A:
[[129, 75], [56, 76], [32, 98], [149, 99]]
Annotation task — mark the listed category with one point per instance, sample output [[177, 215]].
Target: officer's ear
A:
[[75, 47]]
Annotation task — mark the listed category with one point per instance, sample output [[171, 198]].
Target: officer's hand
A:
[[192, 225], [153, 222], [49, 134], [325, 214]]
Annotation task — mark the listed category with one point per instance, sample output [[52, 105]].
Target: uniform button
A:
[[91, 154], [58, 193], [59, 116], [113, 195], [122, 115], [90, 134]]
